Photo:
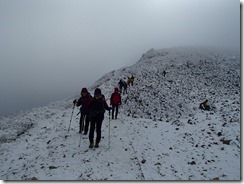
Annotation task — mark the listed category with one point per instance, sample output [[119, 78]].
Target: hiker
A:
[[204, 105], [84, 111], [97, 108], [164, 73], [128, 81], [125, 88], [115, 101], [132, 80], [121, 85]]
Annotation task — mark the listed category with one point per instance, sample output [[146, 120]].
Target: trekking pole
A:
[[82, 127], [71, 117], [80, 140], [109, 132]]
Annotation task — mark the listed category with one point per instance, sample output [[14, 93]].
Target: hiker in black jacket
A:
[[121, 84], [97, 108], [84, 101]]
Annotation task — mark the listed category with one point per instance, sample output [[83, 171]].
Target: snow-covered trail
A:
[[140, 149], [49, 152]]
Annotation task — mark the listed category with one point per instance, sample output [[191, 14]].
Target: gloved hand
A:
[[74, 102]]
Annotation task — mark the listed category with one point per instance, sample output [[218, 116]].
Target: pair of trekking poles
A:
[[71, 121], [83, 126]]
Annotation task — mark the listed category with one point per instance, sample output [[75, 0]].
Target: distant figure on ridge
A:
[[125, 87], [164, 73], [132, 80], [121, 84], [128, 81]]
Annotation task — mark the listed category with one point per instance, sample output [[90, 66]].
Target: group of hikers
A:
[[123, 85], [92, 109]]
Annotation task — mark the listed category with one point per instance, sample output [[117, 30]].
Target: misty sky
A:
[[50, 49]]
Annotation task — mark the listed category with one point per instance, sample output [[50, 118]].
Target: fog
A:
[[49, 50]]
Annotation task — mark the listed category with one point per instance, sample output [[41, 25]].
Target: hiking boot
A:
[[91, 145], [96, 145]]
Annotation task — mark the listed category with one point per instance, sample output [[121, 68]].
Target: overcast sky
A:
[[50, 49]]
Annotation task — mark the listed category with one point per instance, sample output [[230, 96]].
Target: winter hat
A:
[[97, 91], [116, 89], [84, 90]]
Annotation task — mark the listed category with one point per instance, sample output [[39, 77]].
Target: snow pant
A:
[[84, 117], [116, 108], [96, 123], [120, 88], [125, 90]]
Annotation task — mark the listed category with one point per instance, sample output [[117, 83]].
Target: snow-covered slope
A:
[[192, 75], [160, 133]]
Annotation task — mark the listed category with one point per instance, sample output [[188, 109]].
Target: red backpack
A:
[[115, 99]]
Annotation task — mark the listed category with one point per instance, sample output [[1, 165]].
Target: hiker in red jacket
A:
[[115, 101]]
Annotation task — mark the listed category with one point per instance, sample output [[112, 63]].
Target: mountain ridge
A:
[[192, 75], [160, 133]]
